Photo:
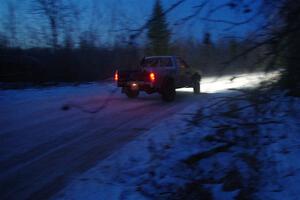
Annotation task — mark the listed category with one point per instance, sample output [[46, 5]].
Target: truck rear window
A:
[[165, 62], [156, 62], [150, 62]]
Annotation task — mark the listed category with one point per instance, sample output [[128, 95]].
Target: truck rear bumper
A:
[[138, 85]]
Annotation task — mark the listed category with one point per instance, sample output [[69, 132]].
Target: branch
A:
[[198, 10]]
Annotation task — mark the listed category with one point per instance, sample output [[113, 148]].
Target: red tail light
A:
[[152, 77], [116, 77]]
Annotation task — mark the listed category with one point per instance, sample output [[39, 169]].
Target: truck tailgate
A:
[[132, 75]]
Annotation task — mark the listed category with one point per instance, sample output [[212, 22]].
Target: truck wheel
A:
[[196, 87], [168, 91], [131, 93], [196, 83]]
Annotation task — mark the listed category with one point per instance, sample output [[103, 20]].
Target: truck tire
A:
[[196, 87], [196, 83], [131, 93], [168, 91]]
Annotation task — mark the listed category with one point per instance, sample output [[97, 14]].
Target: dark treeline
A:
[[93, 64], [62, 65], [221, 57]]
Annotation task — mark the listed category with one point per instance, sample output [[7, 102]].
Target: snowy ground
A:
[[235, 145], [97, 144]]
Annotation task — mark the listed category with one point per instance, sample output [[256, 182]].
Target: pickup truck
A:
[[162, 74]]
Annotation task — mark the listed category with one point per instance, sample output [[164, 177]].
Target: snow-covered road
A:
[[48, 136], [43, 145]]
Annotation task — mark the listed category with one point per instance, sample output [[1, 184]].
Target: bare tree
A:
[[71, 25], [11, 23], [56, 12]]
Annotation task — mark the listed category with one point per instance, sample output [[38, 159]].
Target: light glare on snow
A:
[[224, 83]]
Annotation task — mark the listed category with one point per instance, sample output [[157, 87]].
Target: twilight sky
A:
[[106, 16]]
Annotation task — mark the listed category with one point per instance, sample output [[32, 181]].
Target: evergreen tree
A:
[[233, 47], [158, 32], [3, 41]]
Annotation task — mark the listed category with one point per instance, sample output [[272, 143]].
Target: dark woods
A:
[[40, 65], [93, 64]]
